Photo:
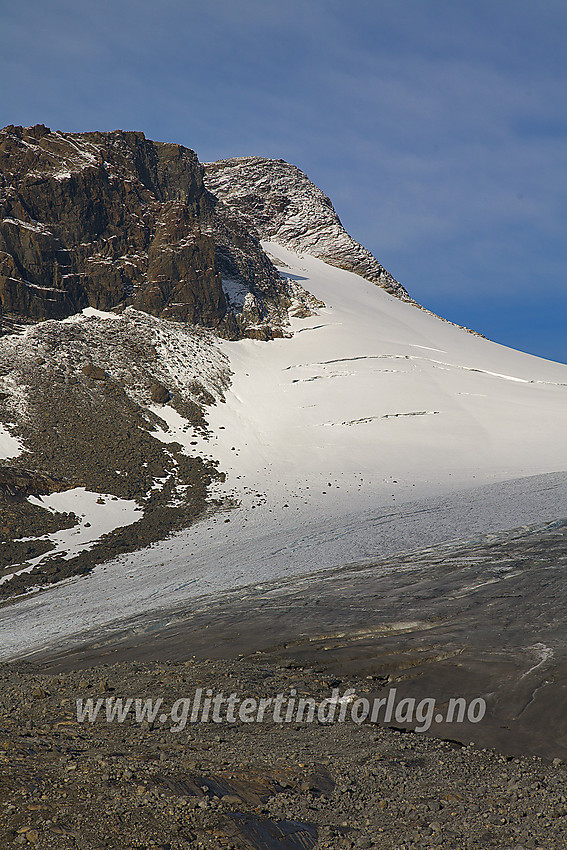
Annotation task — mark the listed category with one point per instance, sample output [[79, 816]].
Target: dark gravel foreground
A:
[[65, 784]]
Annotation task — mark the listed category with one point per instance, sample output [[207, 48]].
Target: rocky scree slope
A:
[[85, 396], [248, 786]]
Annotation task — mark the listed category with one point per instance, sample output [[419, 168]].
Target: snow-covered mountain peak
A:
[[282, 203]]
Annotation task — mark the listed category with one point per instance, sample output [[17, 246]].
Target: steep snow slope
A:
[[363, 434], [382, 400]]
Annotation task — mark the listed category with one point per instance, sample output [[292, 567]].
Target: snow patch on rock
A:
[[98, 513], [10, 447]]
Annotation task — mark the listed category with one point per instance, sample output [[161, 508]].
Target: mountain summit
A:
[[110, 220], [283, 205]]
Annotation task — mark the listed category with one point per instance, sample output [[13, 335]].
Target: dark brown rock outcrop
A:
[[112, 219], [159, 394], [16, 481], [94, 372]]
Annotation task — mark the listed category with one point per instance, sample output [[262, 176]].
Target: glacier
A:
[[375, 428]]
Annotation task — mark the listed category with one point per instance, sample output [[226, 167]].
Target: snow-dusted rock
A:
[[282, 203]]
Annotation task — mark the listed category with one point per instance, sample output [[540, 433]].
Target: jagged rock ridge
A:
[[283, 205], [113, 219]]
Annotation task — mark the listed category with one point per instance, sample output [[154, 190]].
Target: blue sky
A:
[[438, 128]]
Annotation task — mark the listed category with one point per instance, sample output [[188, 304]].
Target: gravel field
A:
[[66, 784]]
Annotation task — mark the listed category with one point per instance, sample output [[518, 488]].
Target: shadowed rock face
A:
[[15, 481], [113, 219]]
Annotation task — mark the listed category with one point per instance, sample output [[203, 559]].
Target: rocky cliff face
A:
[[108, 220], [283, 205]]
